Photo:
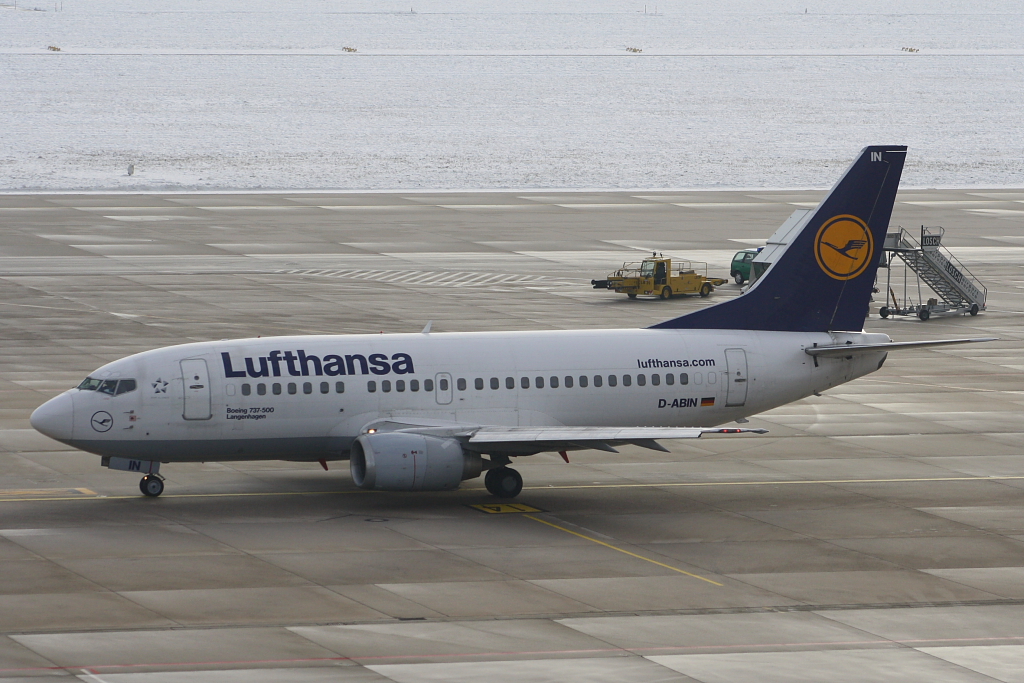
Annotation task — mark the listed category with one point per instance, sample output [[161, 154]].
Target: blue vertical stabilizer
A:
[[823, 281]]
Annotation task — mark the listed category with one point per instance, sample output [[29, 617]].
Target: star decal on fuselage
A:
[[159, 386]]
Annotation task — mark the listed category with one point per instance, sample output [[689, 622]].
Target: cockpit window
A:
[[111, 387], [125, 385]]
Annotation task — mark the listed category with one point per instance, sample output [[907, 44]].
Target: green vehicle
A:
[[741, 265]]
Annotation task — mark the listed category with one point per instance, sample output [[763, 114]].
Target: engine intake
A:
[[392, 461]]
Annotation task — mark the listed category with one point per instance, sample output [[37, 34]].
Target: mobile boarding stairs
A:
[[959, 291]]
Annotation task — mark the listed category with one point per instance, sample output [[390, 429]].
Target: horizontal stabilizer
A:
[[853, 349]]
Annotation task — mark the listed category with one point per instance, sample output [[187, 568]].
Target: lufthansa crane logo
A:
[[102, 421], [843, 247]]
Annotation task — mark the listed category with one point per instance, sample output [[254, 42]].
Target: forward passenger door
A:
[[195, 377]]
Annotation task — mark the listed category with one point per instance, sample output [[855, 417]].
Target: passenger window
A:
[[292, 388], [400, 385], [698, 378], [261, 389], [712, 377], [568, 381], [460, 383], [539, 383], [597, 380], [246, 389], [627, 381], [276, 388], [371, 386], [613, 380], [641, 380], [479, 383], [583, 381], [414, 385], [684, 378], [670, 379], [307, 387], [524, 382], [90, 384], [109, 386], [385, 386], [510, 382], [339, 387], [553, 382], [655, 380], [126, 385], [229, 389], [428, 385], [442, 384], [325, 387]]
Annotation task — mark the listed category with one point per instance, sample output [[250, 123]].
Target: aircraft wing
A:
[[525, 440], [598, 438], [854, 349]]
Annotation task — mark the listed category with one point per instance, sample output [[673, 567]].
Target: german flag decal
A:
[[705, 402]]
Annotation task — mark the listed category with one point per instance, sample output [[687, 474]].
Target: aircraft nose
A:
[[55, 418]]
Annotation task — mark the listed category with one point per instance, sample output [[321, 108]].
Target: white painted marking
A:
[[486, 207], [145, 219], [432, 279], [260, 207], [609, 206], [951, 202], [376, 207], [723, 205]]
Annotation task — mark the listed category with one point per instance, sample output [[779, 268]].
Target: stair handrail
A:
[[939, 232]]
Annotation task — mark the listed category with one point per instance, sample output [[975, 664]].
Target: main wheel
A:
[[974, 309], [738, 277], [503, 482], [151, 485], [666, 293], [924, 314], [705, 289], [884, 311]]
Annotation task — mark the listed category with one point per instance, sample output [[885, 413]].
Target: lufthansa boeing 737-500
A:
[[426, 411]]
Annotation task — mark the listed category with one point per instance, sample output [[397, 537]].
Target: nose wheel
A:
[[503, 482], [151, 485]]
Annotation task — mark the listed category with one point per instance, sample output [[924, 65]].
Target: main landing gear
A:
[[503, 482], [152, 485]]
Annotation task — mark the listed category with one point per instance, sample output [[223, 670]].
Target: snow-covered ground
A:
[[252, 94]]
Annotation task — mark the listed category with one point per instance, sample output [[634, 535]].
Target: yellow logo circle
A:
[[843, 247]]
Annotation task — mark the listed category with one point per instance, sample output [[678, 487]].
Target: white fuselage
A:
[[263, 399]]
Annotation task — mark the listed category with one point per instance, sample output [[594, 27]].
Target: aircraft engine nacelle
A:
[[391, 461]]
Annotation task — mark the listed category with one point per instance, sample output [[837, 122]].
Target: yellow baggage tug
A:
[[654, 277]]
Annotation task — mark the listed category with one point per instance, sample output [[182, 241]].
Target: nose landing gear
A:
[[151, 485]]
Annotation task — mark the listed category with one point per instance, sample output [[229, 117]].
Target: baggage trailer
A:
[[654, 277]]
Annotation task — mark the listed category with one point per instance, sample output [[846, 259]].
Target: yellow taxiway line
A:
[[609, 545]]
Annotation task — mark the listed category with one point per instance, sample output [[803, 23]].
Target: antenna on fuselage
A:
[[426, 329]]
